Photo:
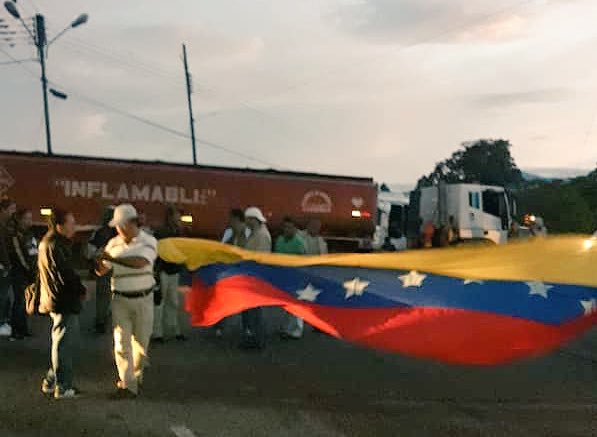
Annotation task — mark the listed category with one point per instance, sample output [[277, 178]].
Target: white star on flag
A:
[[309, 293], [356, 287], [539, 288], [589, 305], [413, 279], [473, 281]]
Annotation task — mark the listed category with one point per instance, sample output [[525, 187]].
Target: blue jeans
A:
[[5, 283], [65, 336]]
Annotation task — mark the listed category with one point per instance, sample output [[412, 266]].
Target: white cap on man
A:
[[122, 214], [254, 212]]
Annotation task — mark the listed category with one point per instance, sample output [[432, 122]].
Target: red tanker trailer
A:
[[345, 205]]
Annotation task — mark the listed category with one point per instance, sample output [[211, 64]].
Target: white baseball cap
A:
[[255, 213], [122, 214]]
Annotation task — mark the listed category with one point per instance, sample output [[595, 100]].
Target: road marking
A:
[[182, 431]]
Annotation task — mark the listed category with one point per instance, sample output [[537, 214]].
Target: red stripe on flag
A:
[[445, 334]]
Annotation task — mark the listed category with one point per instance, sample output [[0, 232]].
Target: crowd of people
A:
[[133, 286]]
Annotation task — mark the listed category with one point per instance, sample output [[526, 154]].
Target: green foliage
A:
[[566, 206], [562, 204], [487, 162]]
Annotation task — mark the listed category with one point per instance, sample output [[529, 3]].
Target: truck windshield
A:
[[494, 203], [397, 221]]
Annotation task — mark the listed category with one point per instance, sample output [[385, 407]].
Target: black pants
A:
[[253, 326], [18, 320]]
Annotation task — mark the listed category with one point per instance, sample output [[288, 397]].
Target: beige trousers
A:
[[133, 322], [166, 313]]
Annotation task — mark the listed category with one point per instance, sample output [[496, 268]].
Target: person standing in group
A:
[[314, 242], [237, 234], [166, 312], [61, 296], [23, 252], [290, 243], [97, 243], [260, 240], [236, 227], [7, 209], [130, 256], [143, 223]]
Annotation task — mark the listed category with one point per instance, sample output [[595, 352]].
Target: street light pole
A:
[[40, 42]]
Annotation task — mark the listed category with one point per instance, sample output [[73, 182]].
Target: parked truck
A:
[[473, 211], [345, 205]]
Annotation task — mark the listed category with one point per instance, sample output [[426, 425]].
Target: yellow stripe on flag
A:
[[561, 259]]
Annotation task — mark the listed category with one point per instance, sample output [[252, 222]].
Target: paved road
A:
[[314, 387]]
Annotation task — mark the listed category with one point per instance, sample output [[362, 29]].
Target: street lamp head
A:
[[81, 19], [58, 94], [12, 9]]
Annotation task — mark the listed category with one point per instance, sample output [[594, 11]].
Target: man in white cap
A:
[[260, 240], [130, 256]]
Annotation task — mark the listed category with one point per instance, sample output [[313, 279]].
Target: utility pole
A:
[[40, 42], [190, 102]]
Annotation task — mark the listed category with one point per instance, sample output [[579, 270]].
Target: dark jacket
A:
[[4, 252], [101, 236], [23, 254], [61, 290], [161, 265]]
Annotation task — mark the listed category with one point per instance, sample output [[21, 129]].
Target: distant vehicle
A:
[[392, 216], [345, 205], [473, 211]]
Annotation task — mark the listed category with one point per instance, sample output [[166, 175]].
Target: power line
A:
[[147, 121], [33, 6], [162, 127], [80, 45], [18, 62]]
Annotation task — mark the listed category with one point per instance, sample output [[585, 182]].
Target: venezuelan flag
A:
[[465, 305]]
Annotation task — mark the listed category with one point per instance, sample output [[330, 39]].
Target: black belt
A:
[[134, 294]]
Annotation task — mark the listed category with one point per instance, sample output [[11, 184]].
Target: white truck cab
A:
[[475, 211]]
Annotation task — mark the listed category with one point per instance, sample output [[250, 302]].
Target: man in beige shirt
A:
[[130, 257], [260, 240]]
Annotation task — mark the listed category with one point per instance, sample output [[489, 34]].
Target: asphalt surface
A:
[[317, 386]]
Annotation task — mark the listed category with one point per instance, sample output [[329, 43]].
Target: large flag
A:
[[470, 305]]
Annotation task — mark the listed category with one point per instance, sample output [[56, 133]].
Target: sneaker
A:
[[123, 394], [47, 388], [69, 393], [288, 336], [5, 330]]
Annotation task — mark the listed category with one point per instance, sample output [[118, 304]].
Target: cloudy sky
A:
[[382, 88]]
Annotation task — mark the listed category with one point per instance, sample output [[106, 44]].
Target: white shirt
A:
[[126, 279], [314, 245], [228, 233]]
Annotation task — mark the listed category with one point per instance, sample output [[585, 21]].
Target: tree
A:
[[487, 162], [561, 204]]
